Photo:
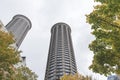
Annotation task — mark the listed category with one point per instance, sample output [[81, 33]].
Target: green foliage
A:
[[75, 77], [9, 57], [105, 23], [108, 1], [24, 73]]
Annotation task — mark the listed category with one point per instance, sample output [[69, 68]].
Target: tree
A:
[[9, 57], [75, 77], [24, 73], [105, 23]]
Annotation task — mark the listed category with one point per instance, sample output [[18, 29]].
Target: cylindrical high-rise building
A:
[[61, 59], [19, 26]]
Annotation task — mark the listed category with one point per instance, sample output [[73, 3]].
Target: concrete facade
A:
[[19, 26], [61, 59]]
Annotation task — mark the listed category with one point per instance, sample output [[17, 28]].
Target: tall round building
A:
[[61, 59], [19, 26]]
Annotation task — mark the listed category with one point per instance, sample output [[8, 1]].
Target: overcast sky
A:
[[43, 15]]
